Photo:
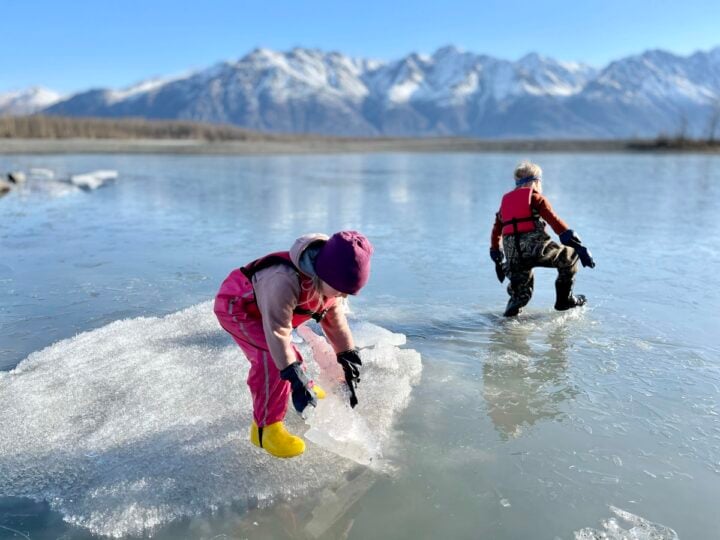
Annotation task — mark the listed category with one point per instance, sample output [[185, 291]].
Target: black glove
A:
[[497, 256], [302, 395], [350, 362], [569, 238]]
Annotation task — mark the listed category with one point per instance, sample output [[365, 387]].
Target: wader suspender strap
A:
[[252, 269], [260, 430], [516, 236], [272, 260], [317, 316], [515, 221]]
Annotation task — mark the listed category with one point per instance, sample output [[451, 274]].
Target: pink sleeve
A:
[[336, 328], [277, 290]]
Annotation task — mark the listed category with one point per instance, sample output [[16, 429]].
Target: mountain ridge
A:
[[448, 93]]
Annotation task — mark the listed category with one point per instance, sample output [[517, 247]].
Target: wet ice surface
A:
[[532, 428], [145, 420], [582, 418]]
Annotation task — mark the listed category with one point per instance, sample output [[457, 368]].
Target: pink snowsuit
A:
[[260, 313]]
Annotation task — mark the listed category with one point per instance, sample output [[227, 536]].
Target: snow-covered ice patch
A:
[[94, 179], [145, 420], [638, 528]]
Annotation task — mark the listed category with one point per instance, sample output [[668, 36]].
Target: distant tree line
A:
[[57, 127], [681, 140]]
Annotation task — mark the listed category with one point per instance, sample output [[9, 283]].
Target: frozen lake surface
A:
[[603, 420]]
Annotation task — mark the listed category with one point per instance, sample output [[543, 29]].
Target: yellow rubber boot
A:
[[276, 440]]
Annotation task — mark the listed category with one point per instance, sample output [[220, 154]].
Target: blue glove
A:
[[569, 238], [497, 256], [350, 362], [302, 395]]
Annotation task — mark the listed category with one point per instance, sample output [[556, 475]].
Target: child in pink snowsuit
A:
[[260, 304]]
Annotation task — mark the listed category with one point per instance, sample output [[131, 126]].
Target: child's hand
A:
[[350, 362], [569, 238], [302, 393], [497, 256], [586, 257]]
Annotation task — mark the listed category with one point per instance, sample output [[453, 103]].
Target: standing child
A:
[[519, 223], [260, 304]]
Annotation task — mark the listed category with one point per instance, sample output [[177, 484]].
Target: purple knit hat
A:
[[344, 261]]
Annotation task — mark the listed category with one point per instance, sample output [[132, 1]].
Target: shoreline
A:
[[319, 145], [302, 146]]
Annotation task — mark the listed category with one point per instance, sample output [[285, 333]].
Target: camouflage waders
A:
[[529, 250]]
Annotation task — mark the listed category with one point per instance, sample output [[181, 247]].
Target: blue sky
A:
[[75, 45]]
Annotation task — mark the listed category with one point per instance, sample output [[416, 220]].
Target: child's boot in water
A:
[[564, 298], [520, 290], [276, 440], [513, 308]]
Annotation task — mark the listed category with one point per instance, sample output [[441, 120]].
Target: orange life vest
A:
[[516, 214]]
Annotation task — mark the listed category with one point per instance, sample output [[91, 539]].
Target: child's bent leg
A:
[[563, 258], [269, 392], [566, 261], [520, 290]]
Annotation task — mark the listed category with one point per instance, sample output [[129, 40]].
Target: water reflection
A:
[[525, 377]]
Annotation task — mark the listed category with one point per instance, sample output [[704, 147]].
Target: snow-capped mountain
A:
[[655, 92], [450, 92], [27, 101]]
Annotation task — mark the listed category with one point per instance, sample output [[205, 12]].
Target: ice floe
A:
[[145, 420], [94, 179]]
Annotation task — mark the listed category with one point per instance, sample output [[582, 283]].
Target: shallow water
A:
[[555, 425]]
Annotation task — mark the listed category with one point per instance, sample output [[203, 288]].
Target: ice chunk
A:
[[386, 379], [639, 529], [94, 179], [367, 334], [145, 420]]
